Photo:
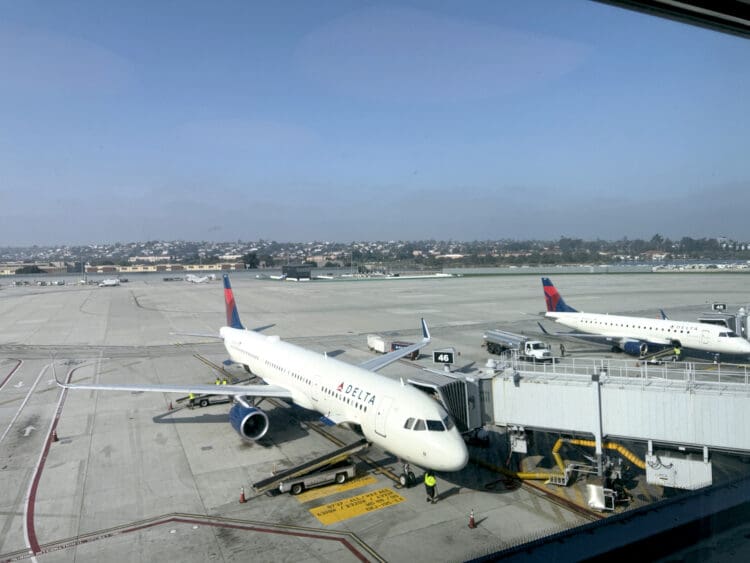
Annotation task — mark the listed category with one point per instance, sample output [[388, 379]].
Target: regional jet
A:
[[639, 335], [391, 414]]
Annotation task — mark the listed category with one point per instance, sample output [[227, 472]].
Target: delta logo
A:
[[356, 393]]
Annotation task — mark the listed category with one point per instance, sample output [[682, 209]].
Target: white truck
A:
[[500, 341], [381, 345]]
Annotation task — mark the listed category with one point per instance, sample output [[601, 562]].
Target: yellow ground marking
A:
[[356, 506], [321, 492]]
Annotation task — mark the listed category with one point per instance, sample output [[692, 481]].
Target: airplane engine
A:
[[635, 348], [249, 422]]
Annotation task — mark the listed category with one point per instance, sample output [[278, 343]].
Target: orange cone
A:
[[54, 436], [242, 495], [472, 523]]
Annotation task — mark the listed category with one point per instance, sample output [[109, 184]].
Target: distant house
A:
[[654, 255]]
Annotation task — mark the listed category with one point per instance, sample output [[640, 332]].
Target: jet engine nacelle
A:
[[249, 422], [635, 348]]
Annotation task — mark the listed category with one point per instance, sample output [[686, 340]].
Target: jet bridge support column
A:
[[597, 430]]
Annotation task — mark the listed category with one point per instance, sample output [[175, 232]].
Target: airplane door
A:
[[314, 388], [704, 337], [382, 414]]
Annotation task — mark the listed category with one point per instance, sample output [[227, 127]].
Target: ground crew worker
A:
[[430, 485], [191, 401], [224, 381], [218, 381], [676, 353], [562, 350]]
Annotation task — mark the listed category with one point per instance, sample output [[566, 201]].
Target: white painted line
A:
[[26, 400]]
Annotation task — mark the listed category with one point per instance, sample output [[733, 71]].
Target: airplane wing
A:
[[273, 391], [381, 361]]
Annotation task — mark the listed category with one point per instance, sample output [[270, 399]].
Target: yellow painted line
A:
[[321, 492], [356, 506]]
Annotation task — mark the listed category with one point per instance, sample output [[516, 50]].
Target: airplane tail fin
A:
[[555, 302], [233, 316]]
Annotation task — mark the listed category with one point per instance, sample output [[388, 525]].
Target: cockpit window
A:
[[448, 421], [419, 425], [409, 423], [435, 425]]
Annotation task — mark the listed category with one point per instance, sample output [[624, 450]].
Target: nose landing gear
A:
[[407, 477]]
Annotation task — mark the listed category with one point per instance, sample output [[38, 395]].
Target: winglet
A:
[[544, 330], [425, 331], [555, 302], [233, 316], [663, 315]]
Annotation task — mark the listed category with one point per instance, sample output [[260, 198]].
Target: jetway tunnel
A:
[[679, 411]]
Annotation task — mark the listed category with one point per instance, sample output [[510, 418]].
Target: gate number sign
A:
[[442, 356]]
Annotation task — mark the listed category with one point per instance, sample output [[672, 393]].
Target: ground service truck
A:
[[383, 346], [501, 341]]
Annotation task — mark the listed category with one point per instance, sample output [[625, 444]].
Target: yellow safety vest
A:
[[430, 480]]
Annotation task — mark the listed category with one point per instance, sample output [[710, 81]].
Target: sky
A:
[[349, 120]]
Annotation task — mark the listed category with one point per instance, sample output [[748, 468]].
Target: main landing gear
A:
[[407, 477]]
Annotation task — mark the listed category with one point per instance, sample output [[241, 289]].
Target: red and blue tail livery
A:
[[233, 316], [554, 300]]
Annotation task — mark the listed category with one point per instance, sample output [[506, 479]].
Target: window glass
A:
[[435, 425]]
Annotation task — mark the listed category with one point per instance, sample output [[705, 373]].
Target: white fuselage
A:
[[346, 393], [695, 336]]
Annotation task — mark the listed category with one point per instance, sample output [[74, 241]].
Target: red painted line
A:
[[7, 377], [311, 535], [198, 521], [36, 548], [30, 529]]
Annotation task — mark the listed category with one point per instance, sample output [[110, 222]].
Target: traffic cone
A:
[[54, 436], [472, 523], [242, 495]]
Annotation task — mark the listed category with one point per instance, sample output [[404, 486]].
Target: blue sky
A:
[[350, 120]]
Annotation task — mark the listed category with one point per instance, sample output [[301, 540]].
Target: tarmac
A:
[[113, 476]]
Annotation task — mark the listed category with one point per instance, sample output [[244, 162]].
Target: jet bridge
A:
[[465, 397], [677, 407]]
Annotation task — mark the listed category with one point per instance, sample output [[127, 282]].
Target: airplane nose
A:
[[457, 457]]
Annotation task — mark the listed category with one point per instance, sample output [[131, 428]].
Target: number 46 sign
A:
[[444, 356]]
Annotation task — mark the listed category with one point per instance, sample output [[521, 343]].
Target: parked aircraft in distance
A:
[[391, 414], [641, 335], [192, 278], [112, 282]]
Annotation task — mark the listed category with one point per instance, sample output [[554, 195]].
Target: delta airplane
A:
[[393, 415], [638, 335]]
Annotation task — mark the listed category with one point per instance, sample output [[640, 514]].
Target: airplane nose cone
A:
[[456, 457]]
